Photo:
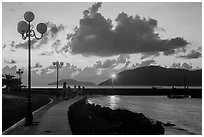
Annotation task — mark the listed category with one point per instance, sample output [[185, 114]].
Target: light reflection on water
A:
[[112, 101], [186, 113]]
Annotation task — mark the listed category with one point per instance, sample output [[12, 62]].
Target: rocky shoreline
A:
[[91, 119]]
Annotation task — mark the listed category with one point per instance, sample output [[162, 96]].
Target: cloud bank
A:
[[96, 36], [52, 31], [192, 55], [182, 66]]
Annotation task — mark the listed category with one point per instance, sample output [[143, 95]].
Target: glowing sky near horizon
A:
[[174, 20]]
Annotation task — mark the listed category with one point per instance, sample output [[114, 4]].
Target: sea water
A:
[[185, 113]]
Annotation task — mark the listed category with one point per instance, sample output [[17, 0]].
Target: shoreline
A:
[[193, 92], [91, 119]]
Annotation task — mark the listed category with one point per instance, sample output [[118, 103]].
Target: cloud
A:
[[110, 63], [146, 63], [10, 62], [54, 29], [37, 65], [46, 53], [127, 63], [199, 49], [182, 66], [11, 10], [56, 45], [147, 55], [95, 7], [192, 55], [96, 36], [10, 45], [122, 58], [8, 70], [52, 32]]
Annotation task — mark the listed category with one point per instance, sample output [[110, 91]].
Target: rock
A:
[[90, 119]]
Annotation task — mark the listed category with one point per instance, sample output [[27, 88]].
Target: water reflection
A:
[[113, 101]]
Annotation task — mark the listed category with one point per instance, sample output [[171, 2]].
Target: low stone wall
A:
[[90, 119]]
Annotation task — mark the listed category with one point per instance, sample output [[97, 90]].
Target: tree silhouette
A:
[[11, 83]]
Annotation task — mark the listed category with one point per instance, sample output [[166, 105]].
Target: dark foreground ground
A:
[[14, 107]]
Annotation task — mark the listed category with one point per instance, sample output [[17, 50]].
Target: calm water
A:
[[185, 113]]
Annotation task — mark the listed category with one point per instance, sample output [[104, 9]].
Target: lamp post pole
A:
[[26, 30], [113, 76], [112, 82], [57, 79], [58, 66]]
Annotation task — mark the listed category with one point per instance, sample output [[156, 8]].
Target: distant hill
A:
[[156, 76], [72, 82]]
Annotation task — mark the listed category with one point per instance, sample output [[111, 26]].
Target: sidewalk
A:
[[50, 121]]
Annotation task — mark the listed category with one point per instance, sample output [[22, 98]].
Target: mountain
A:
[[156, 76], [72, 82]]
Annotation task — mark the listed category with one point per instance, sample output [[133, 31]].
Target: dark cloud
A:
[[187, 66], [97, 36], [10, 62], [110, 63], [192, 55], [182, 66]]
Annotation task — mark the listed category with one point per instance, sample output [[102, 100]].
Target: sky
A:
[[95, 40]]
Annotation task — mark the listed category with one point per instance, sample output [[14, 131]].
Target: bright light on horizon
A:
[[113, 75]]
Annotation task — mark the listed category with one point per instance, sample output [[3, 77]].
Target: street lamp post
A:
[[113, 76], [26, 31], [57, 65]]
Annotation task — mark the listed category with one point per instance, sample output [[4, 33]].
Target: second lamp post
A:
[[57, 65]]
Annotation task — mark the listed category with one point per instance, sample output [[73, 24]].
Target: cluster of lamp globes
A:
[[24, 27], [58, 64]]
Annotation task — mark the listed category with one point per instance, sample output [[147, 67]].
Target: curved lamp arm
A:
[[33, 35], [24, 36]]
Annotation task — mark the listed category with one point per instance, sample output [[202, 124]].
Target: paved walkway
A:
[[55, 120], [52, 120]]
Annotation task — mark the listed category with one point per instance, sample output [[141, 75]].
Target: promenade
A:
[[52, 120]]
